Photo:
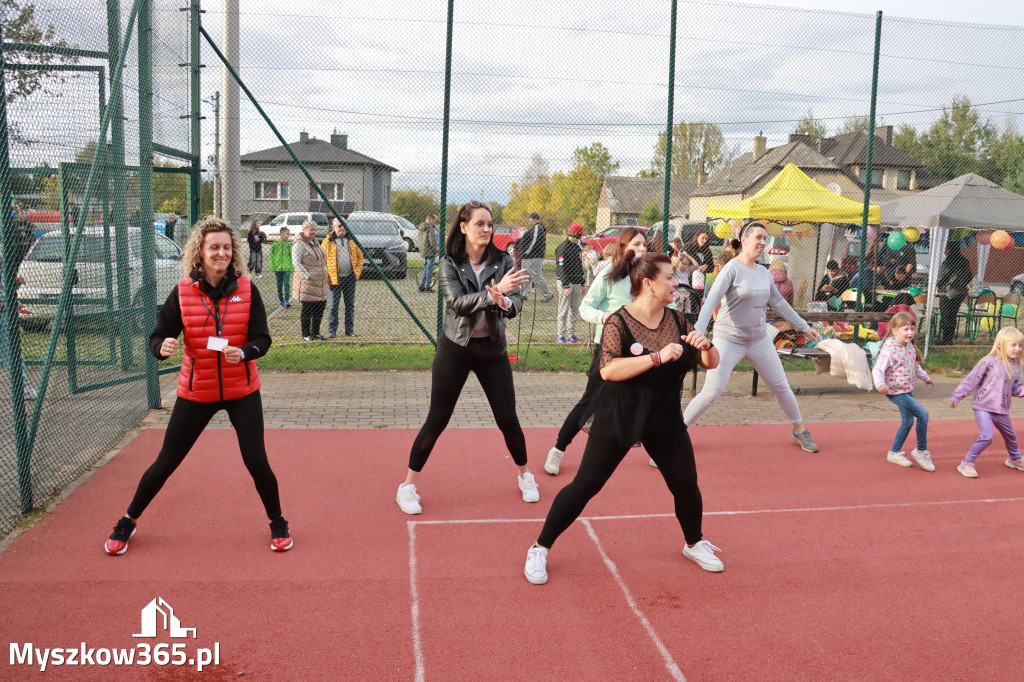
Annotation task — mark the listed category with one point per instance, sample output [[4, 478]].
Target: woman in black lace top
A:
[[646, 351]]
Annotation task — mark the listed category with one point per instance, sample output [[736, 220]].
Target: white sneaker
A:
[[1017, 464], [30, 393], [536, 570], [923, 459], [898, 458], [528, 484], [703, 554], [554, 461], [408, 500]]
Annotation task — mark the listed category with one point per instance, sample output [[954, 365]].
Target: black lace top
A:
[[624, 409]]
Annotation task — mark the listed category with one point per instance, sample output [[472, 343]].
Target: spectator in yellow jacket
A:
[[344, 267]]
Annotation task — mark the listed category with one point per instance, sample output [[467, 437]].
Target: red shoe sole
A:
[[115, 551]]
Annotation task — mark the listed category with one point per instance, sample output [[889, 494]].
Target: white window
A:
[[270, 190], [334, 191]]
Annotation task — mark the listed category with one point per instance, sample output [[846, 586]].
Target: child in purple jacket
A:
[[993, 381]]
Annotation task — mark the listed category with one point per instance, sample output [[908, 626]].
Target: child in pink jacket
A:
[[993, 381]]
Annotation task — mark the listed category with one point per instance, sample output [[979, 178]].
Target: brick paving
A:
[[399, 400]]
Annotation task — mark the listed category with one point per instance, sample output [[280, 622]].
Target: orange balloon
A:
[[1001, 240]]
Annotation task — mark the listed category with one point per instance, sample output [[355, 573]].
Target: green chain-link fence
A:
[[383, 116]]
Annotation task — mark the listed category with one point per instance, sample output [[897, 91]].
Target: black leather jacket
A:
[[464, 298]]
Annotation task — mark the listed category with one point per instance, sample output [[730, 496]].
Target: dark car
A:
[[382, 242]]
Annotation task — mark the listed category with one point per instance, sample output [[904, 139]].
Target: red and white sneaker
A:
[[280, 538], [117, 543]]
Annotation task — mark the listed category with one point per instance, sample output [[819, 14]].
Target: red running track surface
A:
[[838, 565]]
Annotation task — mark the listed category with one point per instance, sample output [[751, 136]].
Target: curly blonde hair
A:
[[192, 257]]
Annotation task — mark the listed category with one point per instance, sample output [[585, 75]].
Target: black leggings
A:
[[571, 426], [452, 364], [310, 316], [188, 419], [668, 445]]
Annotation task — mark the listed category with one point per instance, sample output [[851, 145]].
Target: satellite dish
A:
[[835, 188]]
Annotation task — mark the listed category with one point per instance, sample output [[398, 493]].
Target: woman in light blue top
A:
[[603, 298], [744, 288]]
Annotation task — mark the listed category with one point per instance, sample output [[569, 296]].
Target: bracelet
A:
[[656, 358]]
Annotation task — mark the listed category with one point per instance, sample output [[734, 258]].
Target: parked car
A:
[[607, 236], [160, 222], [382, 241], [410, 233], [505, 236], [293, 221], [44, 274]]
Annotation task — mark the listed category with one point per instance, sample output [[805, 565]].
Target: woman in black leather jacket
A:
[[481, 290]]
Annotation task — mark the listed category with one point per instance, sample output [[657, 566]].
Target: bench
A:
[[847, 316]]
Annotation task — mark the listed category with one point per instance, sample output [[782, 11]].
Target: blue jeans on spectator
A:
[[427, 279], [909, 409], [346, 286]]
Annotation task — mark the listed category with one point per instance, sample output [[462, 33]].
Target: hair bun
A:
[[735, 244]]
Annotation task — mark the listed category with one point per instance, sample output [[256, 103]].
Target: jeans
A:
[[284, 285], [986, 420], [535, 269], [427, 278], [568, 308], [346, 286], [256, 262], [909, 410]]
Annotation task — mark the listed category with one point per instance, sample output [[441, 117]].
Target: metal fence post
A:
[[871, 171], [444, 160], [666, 214], [147, 237]]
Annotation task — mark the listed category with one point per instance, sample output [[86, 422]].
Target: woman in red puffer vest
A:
[[221, 318]]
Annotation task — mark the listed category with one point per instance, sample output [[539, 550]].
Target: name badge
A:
[[216, 343], [636, 349]]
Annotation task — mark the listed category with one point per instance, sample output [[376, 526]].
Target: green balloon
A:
[[896, 241]]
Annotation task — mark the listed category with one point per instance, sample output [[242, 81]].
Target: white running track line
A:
[[670, 663], [417, 648], [585, 520]]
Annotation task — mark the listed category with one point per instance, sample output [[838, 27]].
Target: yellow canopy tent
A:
[[793, 197]]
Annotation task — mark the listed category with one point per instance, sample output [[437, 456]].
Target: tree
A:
[[20, 26], [414, 205], [856, 124], [811, 127], [692, 144], [650, 214]]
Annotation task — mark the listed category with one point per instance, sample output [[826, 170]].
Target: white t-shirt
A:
[[744, 292]]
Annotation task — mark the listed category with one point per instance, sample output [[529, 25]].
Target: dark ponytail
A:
[[638, 269], [735, 244]]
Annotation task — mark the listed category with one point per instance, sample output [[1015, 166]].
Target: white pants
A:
[[765, 359], [568, 308]]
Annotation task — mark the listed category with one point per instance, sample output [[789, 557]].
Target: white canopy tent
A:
[[967, 202]]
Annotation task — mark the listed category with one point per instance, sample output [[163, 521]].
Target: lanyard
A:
[[217, 322]]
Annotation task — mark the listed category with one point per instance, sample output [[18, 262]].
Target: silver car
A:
[[43, 272]]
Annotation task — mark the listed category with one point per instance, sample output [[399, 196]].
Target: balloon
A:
[[984, 237], [1001, 240], [872, 234], [896, 241], [914, 291], [1009, 310], [911, 234], [723, 230]]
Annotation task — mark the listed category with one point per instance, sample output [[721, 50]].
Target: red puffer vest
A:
[[205, 377]]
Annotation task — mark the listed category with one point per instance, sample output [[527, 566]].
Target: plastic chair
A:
[[983, 312], [1009, 309]]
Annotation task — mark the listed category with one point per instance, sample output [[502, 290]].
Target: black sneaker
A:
[[118, 541], [280, 538]]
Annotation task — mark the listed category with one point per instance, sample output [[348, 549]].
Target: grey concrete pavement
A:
[[399, 400]]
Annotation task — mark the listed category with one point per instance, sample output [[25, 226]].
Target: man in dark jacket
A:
[[954, 279], [530, 248], [24, 234], [428, 249], [570, 283], [833, 284]]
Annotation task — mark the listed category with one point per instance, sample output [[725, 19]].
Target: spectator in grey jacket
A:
[[530, 248], [428, 249]]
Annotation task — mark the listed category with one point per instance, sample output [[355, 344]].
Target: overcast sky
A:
[[539, 77]]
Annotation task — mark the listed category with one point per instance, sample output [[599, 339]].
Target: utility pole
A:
[[217, 184], [231, 165]]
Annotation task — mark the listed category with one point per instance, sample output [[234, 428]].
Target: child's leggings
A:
[[909, 409], [986, 420], [763, 355]]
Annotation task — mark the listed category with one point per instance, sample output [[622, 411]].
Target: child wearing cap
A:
[[571, 280]]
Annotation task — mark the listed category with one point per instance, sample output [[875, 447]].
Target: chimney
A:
[[760, 146], [303, 138], [797, 137], [339, 141], [702, 175], [884, 133]]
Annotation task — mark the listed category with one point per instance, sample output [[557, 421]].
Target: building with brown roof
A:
[[623, 197]]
